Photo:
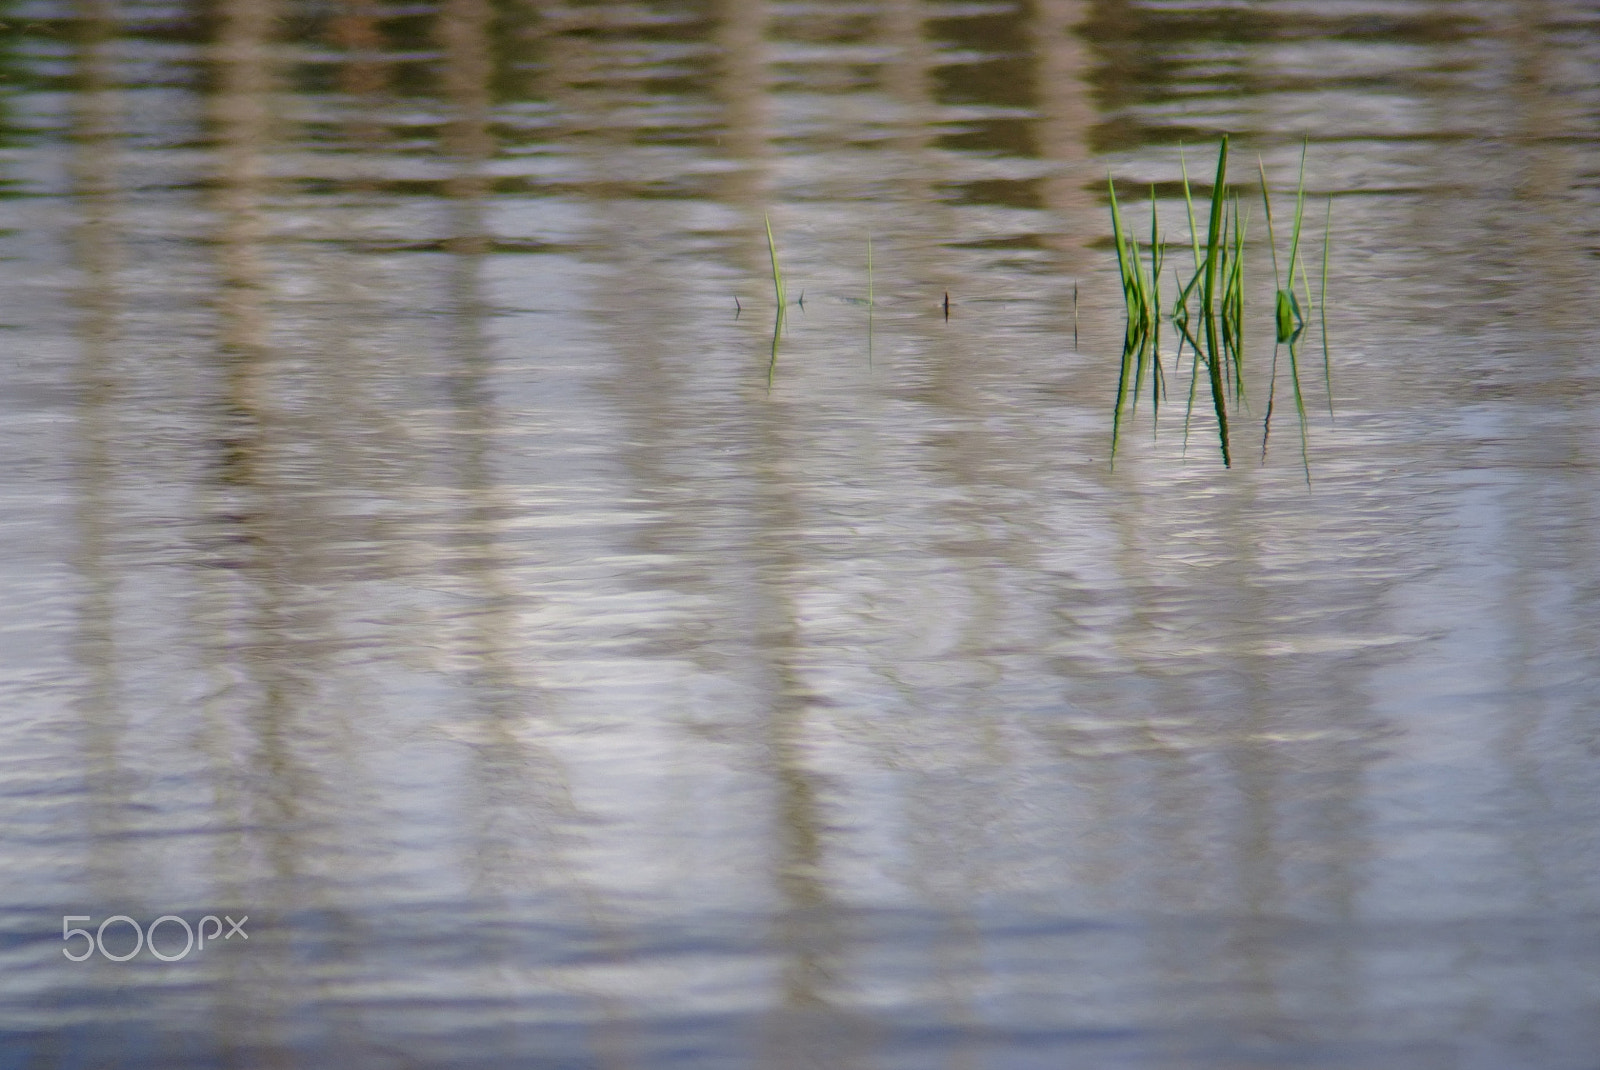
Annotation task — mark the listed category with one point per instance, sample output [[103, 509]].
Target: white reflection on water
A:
[[403, 546]]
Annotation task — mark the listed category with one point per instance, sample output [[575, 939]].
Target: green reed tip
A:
[[777, 275]]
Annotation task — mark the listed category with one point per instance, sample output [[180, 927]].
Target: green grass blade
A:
[[1180, 319], [1180, 315], [1188, 411], [1214, 227], [777, 275], [871, 303], [1129, 356], [1182, 303], [778, 291], [1235, 291], [1272, 237], [1185, 334], [1322, 309], [1207, 299], [1272, 397], [1141, 299], [1158, 385], [1300, 406], [1299, 212], [1224, 325], [1188, 204], [777, 331], [1124, 268], [1074, 315], [1140, 329]]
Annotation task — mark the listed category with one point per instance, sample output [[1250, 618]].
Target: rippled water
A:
[[414, 540]]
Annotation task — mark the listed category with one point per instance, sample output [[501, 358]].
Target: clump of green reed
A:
[[1208, 313]]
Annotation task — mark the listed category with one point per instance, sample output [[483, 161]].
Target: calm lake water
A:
[[415, 542]]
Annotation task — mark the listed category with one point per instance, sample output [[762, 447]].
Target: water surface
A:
[[413, 539]]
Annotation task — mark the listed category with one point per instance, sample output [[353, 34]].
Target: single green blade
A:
[[1299, 212], [1125, 268], [871, 304], [1300, 406], [777, 275], [1188, 204], [1322, 309], [1207, 300]]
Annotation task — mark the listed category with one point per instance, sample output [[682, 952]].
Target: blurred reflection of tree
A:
[[96, 246]]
